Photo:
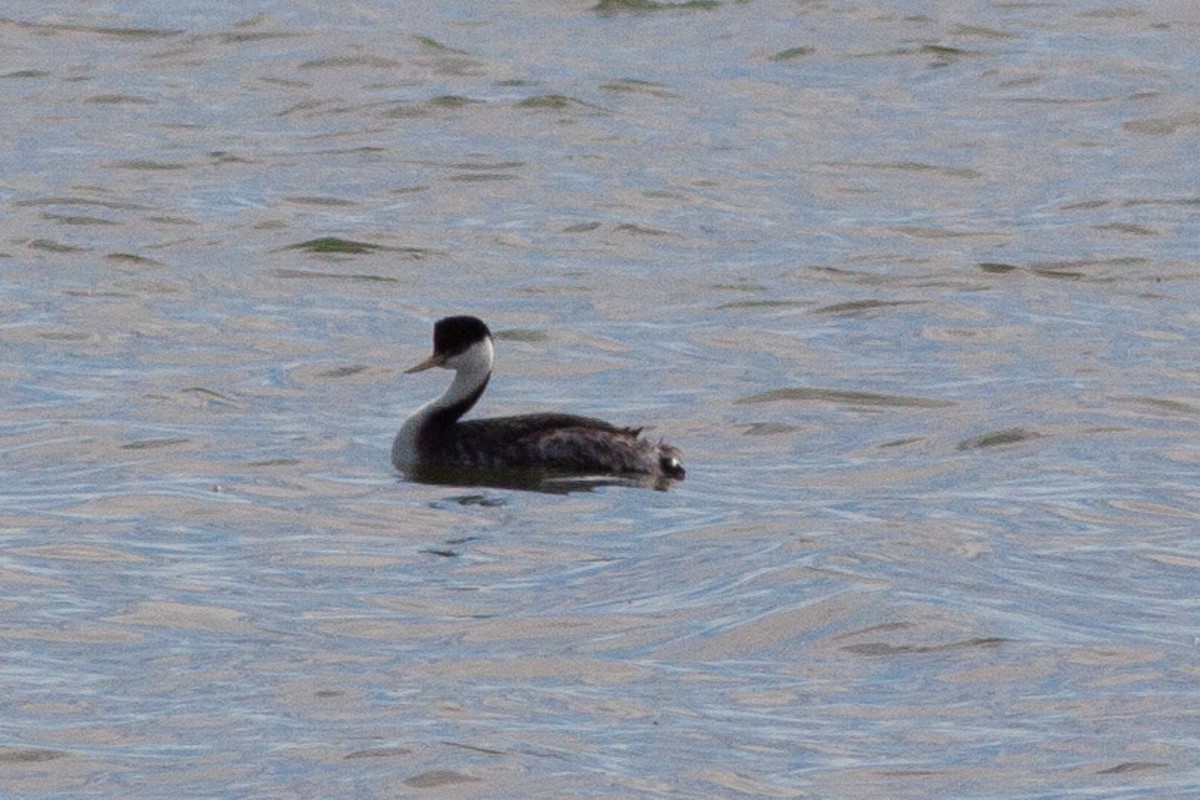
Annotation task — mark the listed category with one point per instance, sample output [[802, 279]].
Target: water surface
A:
[[911, 284]]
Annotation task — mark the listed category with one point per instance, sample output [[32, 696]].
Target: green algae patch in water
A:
[[943, 50], [435, 46], [638, 6], [996, 268], [808, 393], [333, 244], [523, 335], [859, 307], [331, 276], [27, 73], [450, 101], [637, 86], [153, 444], [792, 52], [132, 258], [51, 246], [998, 438], [28, 755], [554, 102]]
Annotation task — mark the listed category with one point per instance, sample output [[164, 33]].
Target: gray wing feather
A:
[[558, 441]]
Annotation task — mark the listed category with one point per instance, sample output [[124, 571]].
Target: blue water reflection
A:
[[914, 292]]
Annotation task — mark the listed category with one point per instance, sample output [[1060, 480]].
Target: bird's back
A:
[[556, 442]]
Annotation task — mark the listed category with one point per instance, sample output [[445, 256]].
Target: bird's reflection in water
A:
[[529, 480]]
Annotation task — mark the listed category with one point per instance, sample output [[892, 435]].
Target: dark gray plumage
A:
[[434, 437]]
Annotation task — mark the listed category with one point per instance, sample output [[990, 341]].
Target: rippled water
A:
[[913, 286]]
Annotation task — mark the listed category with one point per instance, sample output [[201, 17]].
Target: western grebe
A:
[[433, 437]]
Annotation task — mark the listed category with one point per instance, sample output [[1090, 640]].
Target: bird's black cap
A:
[[453, 335]]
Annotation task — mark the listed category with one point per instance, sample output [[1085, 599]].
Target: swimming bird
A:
[[434, 437]]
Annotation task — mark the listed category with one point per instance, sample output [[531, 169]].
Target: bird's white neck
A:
[[472, 369]]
